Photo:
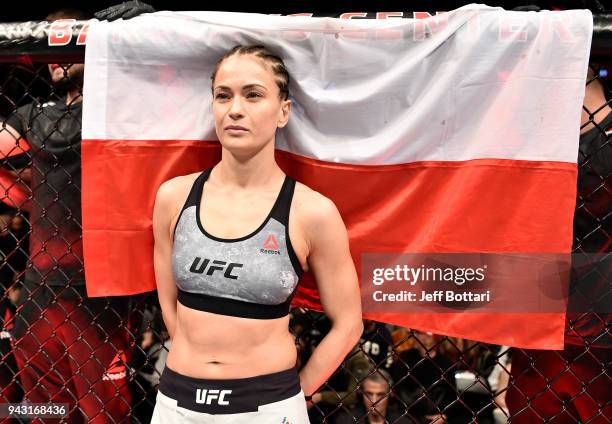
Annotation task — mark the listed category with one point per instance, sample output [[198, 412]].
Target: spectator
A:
[[377, 343], [425, 379], [357, 367], [474, 363], [375, 405], [403, 339]]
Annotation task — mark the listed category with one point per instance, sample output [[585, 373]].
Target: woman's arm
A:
[[330, 261], [162, 253]]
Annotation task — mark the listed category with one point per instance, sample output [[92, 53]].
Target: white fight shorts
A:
[[265, 399]]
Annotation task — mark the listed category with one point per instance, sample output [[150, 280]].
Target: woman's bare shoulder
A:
[[176, 188], [313, 207], [171, 196], [321, 226]]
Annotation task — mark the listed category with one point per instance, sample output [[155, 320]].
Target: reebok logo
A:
[[207, 396], [117, 369], [270, 246], [200, 265]]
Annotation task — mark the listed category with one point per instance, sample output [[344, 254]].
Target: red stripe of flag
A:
[[483, 205]]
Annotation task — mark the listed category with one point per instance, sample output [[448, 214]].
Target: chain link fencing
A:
[[103, 357]]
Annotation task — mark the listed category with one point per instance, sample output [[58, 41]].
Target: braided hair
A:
[[275, 62]]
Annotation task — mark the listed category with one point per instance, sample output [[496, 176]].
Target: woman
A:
[[231, 244]]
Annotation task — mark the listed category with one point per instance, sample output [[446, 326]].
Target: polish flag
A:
[[454, 133]]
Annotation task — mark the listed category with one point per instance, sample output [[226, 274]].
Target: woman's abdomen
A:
[[207, 345]]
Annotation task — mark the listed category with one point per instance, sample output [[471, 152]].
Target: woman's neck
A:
[[260, 170]]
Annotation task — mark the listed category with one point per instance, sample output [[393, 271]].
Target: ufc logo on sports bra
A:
[[200, 265], [205, 396]]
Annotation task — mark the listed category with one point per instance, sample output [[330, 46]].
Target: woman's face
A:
[[246, 105]]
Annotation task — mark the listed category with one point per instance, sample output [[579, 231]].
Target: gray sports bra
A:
[[255, 276]]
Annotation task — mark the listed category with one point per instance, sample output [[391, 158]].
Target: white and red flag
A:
[[455, 133]]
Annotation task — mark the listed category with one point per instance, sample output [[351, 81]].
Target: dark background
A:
[[24, 10]]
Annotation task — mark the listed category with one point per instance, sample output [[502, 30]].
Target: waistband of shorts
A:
[[233, 396]]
